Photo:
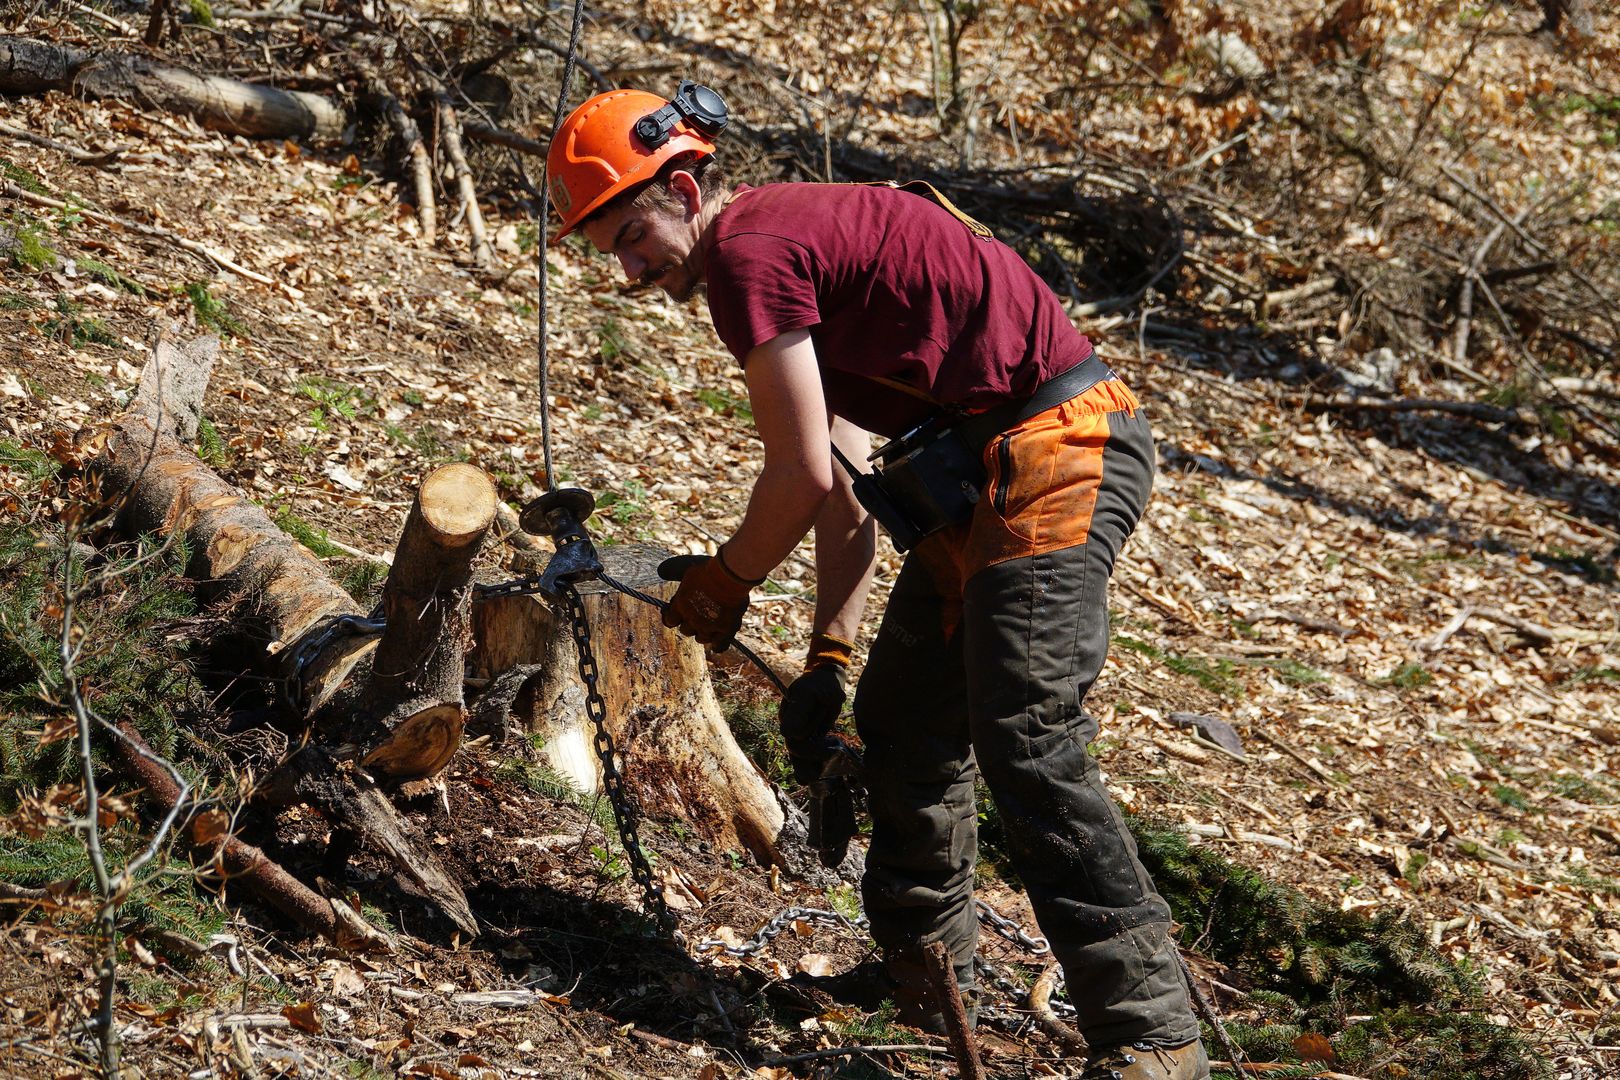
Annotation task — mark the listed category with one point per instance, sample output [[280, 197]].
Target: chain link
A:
[[527, 585], [312, 646], [624, 810], [782, 921], [1011, 930]]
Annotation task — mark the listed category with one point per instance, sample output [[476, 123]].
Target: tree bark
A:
[[677, 752], [30, 66], [421, 662], [275, 591], [352, 801]]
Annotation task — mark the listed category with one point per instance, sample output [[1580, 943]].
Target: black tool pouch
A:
[[924, 481]]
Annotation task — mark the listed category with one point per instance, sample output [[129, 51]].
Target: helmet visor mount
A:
[[698, 105]]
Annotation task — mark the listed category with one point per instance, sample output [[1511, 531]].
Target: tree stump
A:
[[677, 753]]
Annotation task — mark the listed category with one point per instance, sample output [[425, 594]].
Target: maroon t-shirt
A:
[[908, 310]]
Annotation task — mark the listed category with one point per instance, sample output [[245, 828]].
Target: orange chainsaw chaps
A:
[[1043, 479]]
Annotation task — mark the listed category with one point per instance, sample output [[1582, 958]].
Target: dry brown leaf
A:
[[303, 1017], [1314, 1046], [817, 965]]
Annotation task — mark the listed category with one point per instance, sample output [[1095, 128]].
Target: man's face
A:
[[653, 243]]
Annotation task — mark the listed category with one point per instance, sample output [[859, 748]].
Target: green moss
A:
[[1409, 676], [110, 277], [71, 327], [25, 244], [309, 535], [726, 403], [21, 177], [362, 579], [32, 464], [1509, 796], [1295, 673], [201, 13]]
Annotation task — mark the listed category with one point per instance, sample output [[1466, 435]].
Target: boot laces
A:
[[1107, 1064]]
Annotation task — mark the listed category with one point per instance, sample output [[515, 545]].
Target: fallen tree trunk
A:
[[276, 591], [677, 752], [421, 662], [31, 66]]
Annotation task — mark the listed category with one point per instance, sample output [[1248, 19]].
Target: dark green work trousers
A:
[[986, 676]]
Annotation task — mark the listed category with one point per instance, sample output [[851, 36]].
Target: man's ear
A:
[[686, 186]]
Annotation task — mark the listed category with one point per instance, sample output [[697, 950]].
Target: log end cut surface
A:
[[458, 504], [422, 745]]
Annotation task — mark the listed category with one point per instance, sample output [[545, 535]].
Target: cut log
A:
[[275, 590], [676, 752], [31, 66], [421, 662]]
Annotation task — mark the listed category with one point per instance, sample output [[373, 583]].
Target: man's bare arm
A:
[[846, 544], [790, 414]]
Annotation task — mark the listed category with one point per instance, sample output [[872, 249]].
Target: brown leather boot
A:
[[913, 996], [1144, 1061]]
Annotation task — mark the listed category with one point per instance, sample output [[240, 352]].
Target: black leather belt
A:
[[979, 429]]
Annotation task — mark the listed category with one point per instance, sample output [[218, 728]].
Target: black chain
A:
[[624, 810]]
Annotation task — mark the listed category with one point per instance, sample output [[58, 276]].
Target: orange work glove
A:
[[710, 603]]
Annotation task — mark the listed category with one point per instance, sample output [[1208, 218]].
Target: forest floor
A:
[[1408, 618]]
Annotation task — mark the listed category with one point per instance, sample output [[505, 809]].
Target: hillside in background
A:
[[1359, 260]]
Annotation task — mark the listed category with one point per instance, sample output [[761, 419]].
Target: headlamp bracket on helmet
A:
[[699, 106]]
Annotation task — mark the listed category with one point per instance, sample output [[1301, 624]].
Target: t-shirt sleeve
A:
[[760, 286]]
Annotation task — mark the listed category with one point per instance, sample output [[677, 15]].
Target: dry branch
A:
[[450, 136], [250, 868], [1040, 1003], [942, 975], [82, 156], [1494, 414], [223, 262], [487, 133], [421, 164], [30, 66]]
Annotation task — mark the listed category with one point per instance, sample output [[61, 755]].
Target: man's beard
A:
[[676, 279]]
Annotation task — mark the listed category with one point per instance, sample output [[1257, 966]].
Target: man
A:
[[857, 307]]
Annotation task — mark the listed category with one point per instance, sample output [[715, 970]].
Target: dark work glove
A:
[[710, 603], [811, 706]]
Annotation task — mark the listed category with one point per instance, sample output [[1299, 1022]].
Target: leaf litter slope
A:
[[1303, 576]]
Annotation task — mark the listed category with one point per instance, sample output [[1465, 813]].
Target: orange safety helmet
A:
[[619, 140]]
